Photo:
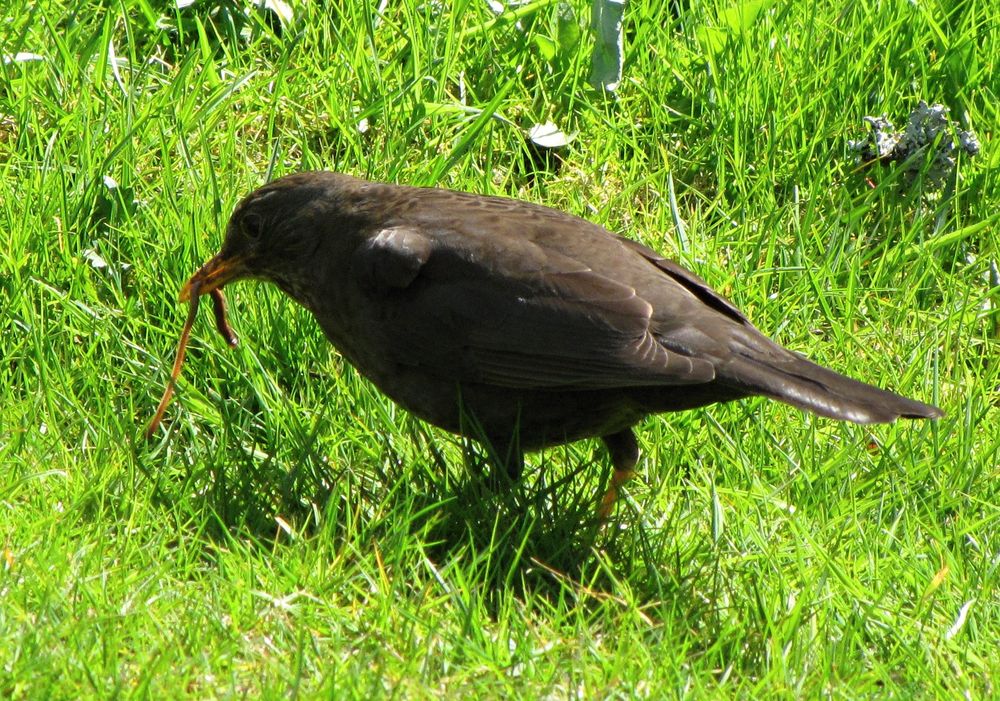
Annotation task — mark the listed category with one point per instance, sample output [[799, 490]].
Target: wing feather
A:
[[543, 321]]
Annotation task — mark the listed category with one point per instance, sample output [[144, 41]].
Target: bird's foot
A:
[[619, 478], [624, 453]]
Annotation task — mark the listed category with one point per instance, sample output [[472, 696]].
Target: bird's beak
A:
[[214, 274]]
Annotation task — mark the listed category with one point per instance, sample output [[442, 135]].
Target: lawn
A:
[[291, 532]]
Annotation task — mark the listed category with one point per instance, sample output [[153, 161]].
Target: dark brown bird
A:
[[509, 321]]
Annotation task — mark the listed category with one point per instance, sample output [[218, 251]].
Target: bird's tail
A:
[[780, 374]]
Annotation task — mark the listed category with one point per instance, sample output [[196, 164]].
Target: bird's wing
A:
[[525, 318], [691, 282]]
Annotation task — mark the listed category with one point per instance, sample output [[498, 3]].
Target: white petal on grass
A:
[[959, 620], [23, 57], [95, 259], [548, 135], [718, 516], [286, 527], [113, 61]]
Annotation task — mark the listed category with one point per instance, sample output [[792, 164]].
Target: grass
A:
[[293, 533]]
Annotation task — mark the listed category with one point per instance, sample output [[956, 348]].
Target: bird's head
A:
[[276, 231]]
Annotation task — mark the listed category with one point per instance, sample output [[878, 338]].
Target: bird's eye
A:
[[252, 225]]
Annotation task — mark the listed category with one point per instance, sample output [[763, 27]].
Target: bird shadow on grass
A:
[[538, 537], [542, 535], [542, 539], [511, 533]]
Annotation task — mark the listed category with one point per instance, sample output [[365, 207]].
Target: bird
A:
[[512, 323]]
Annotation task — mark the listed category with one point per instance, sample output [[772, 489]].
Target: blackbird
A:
[[515, 323]]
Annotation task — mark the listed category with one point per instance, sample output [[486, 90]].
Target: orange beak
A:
[[213, 275]]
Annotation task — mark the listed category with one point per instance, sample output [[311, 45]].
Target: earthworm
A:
[[221, 324], [178, 362]]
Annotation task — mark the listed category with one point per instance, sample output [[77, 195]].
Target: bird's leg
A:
[[503, 449], [507, 457], [624, 453]]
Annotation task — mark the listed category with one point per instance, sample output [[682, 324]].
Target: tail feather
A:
[[790, 378]]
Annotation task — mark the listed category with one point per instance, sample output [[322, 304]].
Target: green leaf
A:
[[546, 47], [732, 23], [567, 29], [606, 66]]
